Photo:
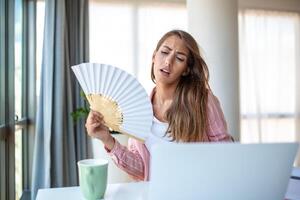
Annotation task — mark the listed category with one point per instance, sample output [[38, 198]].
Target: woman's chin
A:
[[166, 81]]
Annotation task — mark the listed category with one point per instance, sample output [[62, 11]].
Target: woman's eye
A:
[[180, 59], [164, 52]]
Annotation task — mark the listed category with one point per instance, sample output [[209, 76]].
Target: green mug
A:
[[93, 178]]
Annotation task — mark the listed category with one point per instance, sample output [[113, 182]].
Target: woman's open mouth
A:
[[165, 72]]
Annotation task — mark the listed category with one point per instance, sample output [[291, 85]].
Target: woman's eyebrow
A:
[[178, 52], [167, 47]]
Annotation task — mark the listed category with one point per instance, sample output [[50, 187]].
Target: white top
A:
[[158, 133]]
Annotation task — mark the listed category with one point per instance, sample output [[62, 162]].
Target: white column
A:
[[214, 24]]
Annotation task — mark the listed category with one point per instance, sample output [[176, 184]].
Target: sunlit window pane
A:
[[271, 130], [18, 96], [124, 33], [18, 58], [19, 163], [111, 35], [267, 74]]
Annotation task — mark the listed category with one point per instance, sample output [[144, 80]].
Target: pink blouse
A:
[[135, 158]]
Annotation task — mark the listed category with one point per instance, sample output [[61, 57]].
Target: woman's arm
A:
[[128, 159]]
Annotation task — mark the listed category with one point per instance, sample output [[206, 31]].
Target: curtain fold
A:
[[59, 143]]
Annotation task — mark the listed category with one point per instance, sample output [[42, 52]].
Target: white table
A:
[[131, 191], [122, 191]]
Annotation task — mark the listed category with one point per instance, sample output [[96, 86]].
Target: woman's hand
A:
[[96, 128]]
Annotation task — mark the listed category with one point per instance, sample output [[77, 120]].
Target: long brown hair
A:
[[187, 115]]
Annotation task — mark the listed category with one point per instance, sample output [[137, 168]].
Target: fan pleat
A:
[[136, 130], [116, 83], [109, 80], [118, 87], [123, 89], [132, 104], [105, 77], [135, 109], [81, 79], [131, 100], [131, 93], [93, 78], [124, 86], [97, 81], [102, 79], [137, 122], [130, 87], [114, 74], [88, 75]]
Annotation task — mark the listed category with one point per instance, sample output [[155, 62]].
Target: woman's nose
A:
[[169, 59]]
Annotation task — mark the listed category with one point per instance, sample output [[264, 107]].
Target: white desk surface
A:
[[122, 191], [132, 191]]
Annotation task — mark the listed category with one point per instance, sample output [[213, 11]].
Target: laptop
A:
[[220, 171]]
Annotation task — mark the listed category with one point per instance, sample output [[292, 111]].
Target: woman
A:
[[185, 110]]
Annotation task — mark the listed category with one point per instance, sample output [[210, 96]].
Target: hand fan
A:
[[118, 96]]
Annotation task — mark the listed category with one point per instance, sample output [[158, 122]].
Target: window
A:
[[17, 82], [268, 59], [127, 40]]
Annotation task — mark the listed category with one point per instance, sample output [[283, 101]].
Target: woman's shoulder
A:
[[217, 127], [212, 100], [214, 111]]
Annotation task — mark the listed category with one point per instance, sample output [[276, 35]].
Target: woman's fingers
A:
[[99, 119], [97, 114], [96, 117], [95, 125], [90, 118]]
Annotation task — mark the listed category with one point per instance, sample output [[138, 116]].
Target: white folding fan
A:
[[118, 96]]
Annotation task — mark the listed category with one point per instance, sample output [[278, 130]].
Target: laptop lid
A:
[[220, 171]]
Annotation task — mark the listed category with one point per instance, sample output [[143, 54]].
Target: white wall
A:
[[214, 24]]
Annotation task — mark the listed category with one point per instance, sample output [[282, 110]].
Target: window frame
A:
[[7, 166], [7, 100], [27, 122]]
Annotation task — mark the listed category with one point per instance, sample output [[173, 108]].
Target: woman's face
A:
[[170, 61]]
